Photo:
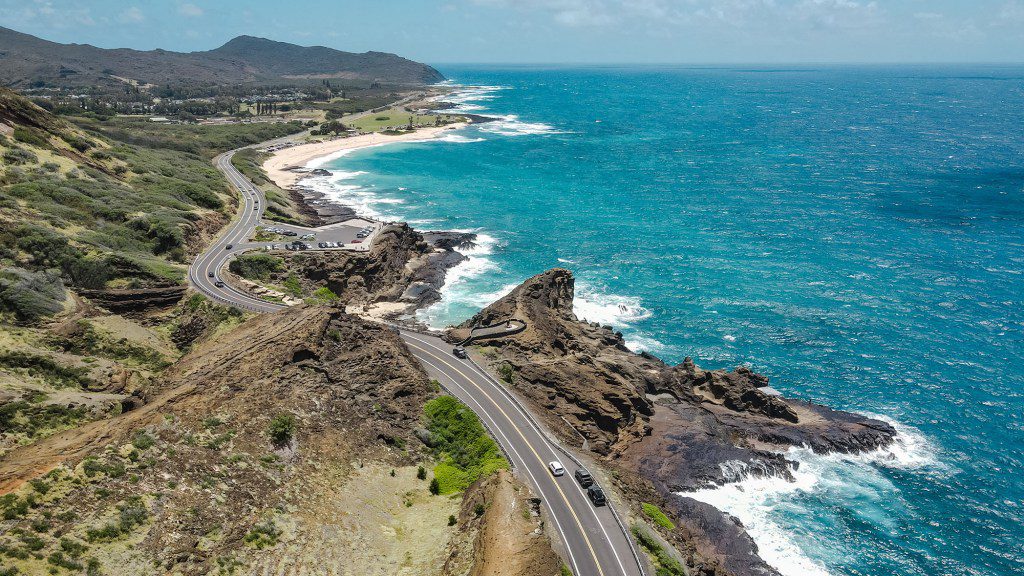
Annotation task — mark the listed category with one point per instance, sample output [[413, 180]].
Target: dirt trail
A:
[[511, 541]]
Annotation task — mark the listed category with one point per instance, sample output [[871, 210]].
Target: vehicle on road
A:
[[210, 274], [218, 284], [556, 468], [596, 495], [229, 246], [584, 478], [459, 352]]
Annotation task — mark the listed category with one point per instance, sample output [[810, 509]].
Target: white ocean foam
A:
[[510, 125], [366, 202], [751, 500], [565, 261], [612, 309], [855, 479], [457, 291], [459, 139]]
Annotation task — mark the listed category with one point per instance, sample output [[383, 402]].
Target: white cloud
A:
[[190, 10], [132, 15]]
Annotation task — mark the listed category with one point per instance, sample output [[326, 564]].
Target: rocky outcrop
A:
[[403, 266], [580, 372], [136, 302], [679, 428]]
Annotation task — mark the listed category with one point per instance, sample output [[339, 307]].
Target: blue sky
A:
[[556, 31]]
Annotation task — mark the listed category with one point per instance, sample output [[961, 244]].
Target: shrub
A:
[[659, 517], [421, 473], [30, 296], [667, 565], [143, 441], [263, 535], [451, 520], [17, 156], [282, 428], [435, 487], [479, 509], [31, 136], [507, 372], [256, 266], [465, 450], [323, 295], [292, 286]]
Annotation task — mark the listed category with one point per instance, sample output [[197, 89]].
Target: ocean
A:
[[854, 233]]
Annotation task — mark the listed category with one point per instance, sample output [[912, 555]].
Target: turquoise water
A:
[[857, 234]]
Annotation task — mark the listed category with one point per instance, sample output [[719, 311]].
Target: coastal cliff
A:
[[664, 429]]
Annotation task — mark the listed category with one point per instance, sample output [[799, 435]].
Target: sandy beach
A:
[[280, 166]]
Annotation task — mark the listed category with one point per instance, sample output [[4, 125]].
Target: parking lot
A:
[[355, 234]]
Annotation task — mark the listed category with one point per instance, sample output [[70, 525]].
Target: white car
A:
[[556, 468]]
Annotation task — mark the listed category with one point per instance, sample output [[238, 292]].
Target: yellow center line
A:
[[579, 524]]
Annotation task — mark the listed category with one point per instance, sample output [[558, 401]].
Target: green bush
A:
[[507, 372], [435, 487], [292, 286], [451, 520], [256, 266], [17, 156], [282, 428], [30, 296], [667, 565], [421, 473], [263, 535], [659, 517], [460, 442]]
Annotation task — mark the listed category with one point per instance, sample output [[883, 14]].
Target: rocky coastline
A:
[[663, 430]]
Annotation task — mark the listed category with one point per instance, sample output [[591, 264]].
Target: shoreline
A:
[[287, 166]]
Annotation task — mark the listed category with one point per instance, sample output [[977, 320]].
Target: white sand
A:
[[279, 167]]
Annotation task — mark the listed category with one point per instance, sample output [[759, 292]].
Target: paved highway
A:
[[594, 543]]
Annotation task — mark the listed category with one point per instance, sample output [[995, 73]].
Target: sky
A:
[[555, 31]]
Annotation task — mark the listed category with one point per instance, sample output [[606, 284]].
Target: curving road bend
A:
[[594, 543]]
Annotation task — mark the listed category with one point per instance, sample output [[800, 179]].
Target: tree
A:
[[435, 487]]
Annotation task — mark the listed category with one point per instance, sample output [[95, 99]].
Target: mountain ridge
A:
[[28, 61]]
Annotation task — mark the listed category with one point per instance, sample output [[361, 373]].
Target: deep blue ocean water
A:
[[857, 234]]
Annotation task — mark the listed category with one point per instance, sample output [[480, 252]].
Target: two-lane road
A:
[[595, 544]]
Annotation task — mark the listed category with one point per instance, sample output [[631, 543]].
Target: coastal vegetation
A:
[[464, 451]]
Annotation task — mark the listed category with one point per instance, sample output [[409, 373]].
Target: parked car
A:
[[303, 246], [322, 244], [357, 240], [289, 233], [584, 478], [290, 246], [596, 495], [459, 352], [556, 468]]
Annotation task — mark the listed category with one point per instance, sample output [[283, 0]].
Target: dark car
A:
[[596, 495], [289, 233], [584, 478], [218, 284], [459, 352], [229, 246], [210, 274]]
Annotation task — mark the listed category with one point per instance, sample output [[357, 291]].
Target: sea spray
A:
[[793, 532]]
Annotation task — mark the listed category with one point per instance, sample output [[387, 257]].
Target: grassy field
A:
[[394, 117]]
